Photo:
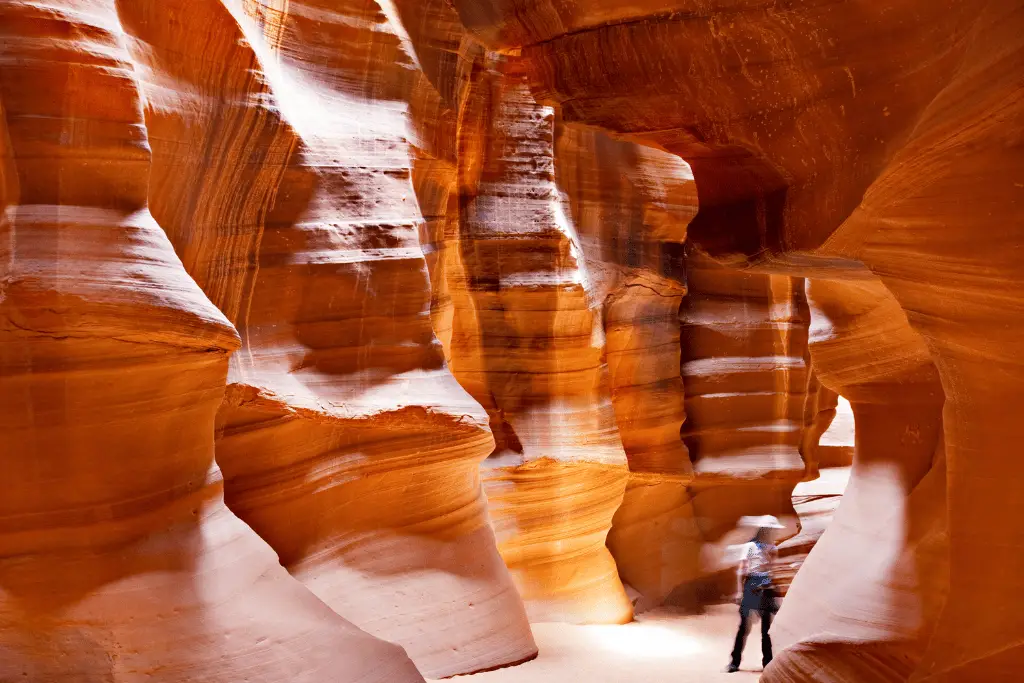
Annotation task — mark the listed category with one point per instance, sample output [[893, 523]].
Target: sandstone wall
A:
[[118, 558], [558, 272], [552, 272], [630, 206], [871, 143], [388, 279], [749, 406], [817, 497]]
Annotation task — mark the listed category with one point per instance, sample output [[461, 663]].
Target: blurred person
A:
[[755, 590]]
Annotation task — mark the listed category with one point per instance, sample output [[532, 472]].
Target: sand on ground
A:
[[661, 646]]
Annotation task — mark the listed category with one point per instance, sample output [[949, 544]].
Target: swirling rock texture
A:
[[844, 140], [344, 440], [556, 292], [558, 470], [118, 558], [526, 343], [583, 288], [183, 179], [630, 206], [892, 523]]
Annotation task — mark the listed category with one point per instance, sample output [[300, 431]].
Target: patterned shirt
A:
[[759, 557]]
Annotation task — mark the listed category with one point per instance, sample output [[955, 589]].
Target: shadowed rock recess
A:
[[340, 340]]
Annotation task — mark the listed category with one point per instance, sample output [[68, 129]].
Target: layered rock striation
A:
[[118, 558], [535, 359], [861, 142], [892, 523], [746, 370], [554, 264], [345, 441], [389, 273], [630, 206]]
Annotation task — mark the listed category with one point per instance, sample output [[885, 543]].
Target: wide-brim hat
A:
[[760, 522]]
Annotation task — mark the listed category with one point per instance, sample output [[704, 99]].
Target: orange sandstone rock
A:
[[118, 559], [891, 525], [745, 368], [630, 206], [838, 140], [534, 358], [345, 441]]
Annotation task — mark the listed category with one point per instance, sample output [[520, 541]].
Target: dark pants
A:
[[741, 635]]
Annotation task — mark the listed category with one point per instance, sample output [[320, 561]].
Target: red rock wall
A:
[[630, 206], [892, 523], [583, 279], [827, 450], [511, 308], [830, 139], [345, 442], [118, 558], [426, 264], [535, 359], [550, 262], [519, 276], [746, 373]]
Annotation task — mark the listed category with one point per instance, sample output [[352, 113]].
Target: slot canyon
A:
[[388, 341]]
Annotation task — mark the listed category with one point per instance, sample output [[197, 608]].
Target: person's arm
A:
[[741, 573]]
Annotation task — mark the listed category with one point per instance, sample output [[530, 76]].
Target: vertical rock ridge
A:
[[535, 357], [746, 372], [892, 522], [630, 206]]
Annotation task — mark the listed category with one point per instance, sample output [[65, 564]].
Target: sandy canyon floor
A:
[[659, 647]]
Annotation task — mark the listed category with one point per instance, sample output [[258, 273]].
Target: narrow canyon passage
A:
[[383, 341]]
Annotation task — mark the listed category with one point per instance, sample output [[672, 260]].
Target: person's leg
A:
[[766, 640], [741, 638]]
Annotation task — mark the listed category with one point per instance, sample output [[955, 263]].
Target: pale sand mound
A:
[[661, 646]]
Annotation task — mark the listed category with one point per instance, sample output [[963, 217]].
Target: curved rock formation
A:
[[283, 177], [630, 206], [535, 358], [627, 206], [319, 183], [118, 559], [518, 320], [892, 523], [502, 241], [746, 375], [826, 137], [828, 453]]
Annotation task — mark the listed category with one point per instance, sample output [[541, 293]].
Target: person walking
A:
[[756, 591]]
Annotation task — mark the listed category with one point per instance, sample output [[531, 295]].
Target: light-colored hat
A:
[[760, 522]]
